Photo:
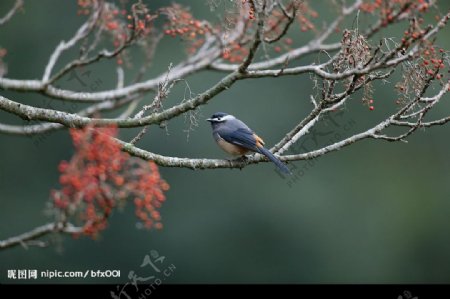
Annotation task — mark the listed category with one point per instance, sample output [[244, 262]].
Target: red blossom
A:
[[99, 177]]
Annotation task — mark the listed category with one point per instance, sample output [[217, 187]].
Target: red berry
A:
[[112, 25]]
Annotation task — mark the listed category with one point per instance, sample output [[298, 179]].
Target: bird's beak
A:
[[209, 119]]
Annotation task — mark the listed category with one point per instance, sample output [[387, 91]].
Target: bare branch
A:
[[131, 38], [166, 161], [17, 5], [291, 19], [26, 239], [82, 32], [304, 126], [179, 71], [28, 130], [428, 124], [163, 92], [73, 120], [290, 138], [257, 38]]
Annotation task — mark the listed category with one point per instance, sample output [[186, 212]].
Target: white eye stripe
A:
[[226, 117], [223, 118]]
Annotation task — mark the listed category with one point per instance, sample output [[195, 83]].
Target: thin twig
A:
[[17, 5]]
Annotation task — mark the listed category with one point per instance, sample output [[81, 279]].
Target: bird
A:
[[237, 139]]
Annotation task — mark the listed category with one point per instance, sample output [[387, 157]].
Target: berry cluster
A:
[[112, 22], [84, 6], [306, 13], [120, 24], [386, 9], [181, 23], [433, 61], [235, 52], [277, 22], [99, 177], [251, 8], [141, 21], [428, 64]]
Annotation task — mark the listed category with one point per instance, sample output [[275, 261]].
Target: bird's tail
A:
[[275, 160]]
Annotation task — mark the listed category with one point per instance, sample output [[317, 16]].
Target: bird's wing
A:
[[243, 137]]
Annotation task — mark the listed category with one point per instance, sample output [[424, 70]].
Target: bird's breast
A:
[[230, 148]]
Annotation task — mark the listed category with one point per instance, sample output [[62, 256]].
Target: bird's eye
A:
[[218, 118]]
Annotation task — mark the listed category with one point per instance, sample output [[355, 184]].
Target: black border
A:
[[360, 291]]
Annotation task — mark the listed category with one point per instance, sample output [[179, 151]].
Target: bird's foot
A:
[[239, 159], [243, 160]]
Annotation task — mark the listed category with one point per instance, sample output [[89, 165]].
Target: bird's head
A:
[[220, 117]]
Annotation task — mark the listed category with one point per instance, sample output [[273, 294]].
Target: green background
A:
[[374, 212]]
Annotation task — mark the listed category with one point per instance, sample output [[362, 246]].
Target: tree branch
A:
[[40, 231], [73, 120], [357, 77], [17, 5], [315, 45], [306, 124], [257, 38], [179, 71], [291, 19], [48, 127], [82, 32]]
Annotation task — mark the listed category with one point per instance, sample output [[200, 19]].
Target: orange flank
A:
[[259, 141]]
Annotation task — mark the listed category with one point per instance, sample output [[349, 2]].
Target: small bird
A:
[[237, 139]]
